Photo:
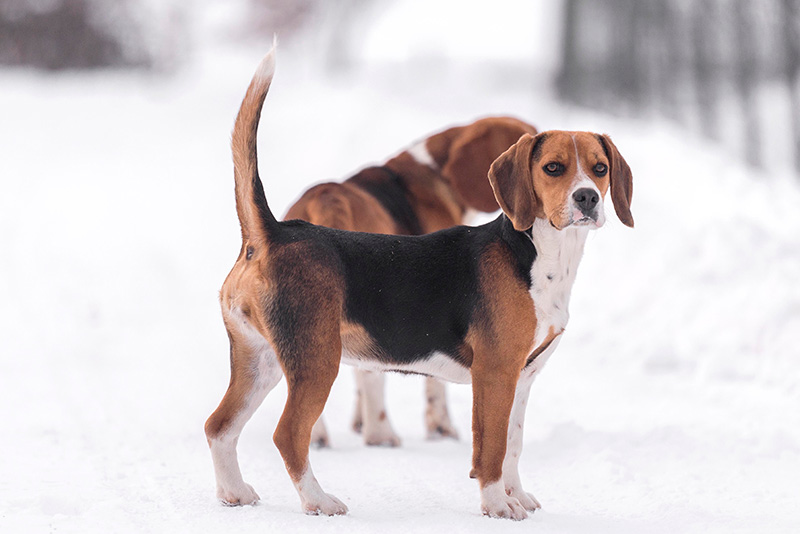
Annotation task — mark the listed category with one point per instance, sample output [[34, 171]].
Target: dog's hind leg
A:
[[375, 427], [311, 365], [437, 417], [254, 372], [319, 434]]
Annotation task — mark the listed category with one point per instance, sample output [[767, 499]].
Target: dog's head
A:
[[562, 177], [465, 153]]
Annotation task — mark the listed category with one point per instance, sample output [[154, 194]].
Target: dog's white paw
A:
[[508, 508], [238, 496], [324, 504], [379, 432], [319, 435], [382, 438], [527, 500], [496, 503], [441, 429]]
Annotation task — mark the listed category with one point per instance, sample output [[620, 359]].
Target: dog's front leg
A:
[[493, 390], [516, 423]]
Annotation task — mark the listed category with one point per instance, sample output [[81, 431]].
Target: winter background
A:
[[673, 402]]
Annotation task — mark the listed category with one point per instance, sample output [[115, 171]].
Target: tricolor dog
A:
[[484, 305], [430, 186]]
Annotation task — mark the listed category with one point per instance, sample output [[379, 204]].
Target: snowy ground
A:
[[670, 406]]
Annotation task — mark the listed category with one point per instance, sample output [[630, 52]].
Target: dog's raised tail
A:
[[255, 216]]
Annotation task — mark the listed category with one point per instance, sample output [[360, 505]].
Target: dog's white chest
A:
[[558, 254]]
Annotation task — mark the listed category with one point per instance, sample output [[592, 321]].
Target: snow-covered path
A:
[[670, 406]]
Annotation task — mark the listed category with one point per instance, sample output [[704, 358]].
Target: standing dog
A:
[[426, 188], [485, 305]]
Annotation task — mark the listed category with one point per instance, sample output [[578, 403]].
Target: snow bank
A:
[[671, 404]]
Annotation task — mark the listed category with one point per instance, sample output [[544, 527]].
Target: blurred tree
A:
[[711, 61], [706, 54], [56, 38], [627, 42], [91, 34], [790, 15], [65, 34], [746, 78], [569, 80], [662, 59]]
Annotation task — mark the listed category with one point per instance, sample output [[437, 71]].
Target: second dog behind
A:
[[433, 185]]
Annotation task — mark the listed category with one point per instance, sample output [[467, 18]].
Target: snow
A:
[[671, 404]]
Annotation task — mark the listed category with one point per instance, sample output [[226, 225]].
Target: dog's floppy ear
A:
[[472, 152], [621, 181], [511, 177]]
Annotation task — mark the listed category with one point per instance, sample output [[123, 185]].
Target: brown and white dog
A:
[[428, 187], [485, 305]]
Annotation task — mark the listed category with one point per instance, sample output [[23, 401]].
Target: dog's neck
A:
[[564, 247], [558, 254]]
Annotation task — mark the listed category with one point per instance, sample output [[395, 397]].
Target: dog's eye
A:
[[554, 169], [600, 169]]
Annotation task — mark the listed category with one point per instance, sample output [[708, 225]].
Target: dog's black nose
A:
[[586, 199]]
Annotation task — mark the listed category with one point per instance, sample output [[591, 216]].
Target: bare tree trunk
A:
[[622, 69], [703, 37], [791, 34], [569, 77], [746, 79], [666, 68], [637, 71]]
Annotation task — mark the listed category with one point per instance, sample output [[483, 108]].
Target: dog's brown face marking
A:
[[537, 176]]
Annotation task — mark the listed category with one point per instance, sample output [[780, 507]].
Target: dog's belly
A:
[[437, 365]]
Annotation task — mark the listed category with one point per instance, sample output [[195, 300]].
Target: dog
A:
[[433, 185], [484, 305]]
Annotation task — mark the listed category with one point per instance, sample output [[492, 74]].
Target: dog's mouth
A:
[[577, 218], [584, 221]]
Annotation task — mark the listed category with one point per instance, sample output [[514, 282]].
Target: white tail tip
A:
[[266, 69]]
